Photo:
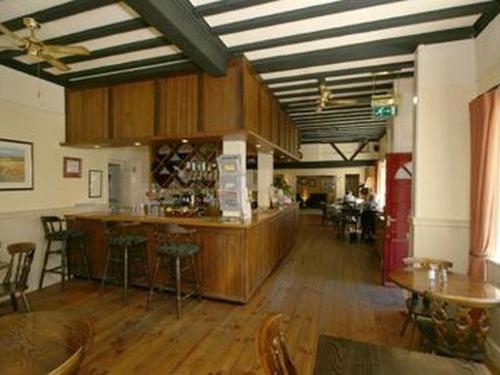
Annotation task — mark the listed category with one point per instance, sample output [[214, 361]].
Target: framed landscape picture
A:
[[16, 165]]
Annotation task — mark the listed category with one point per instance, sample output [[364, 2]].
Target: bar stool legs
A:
[[177, 272], [125, 261]]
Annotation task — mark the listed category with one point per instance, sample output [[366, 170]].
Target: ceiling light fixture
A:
[[137, 143], [184, 141]]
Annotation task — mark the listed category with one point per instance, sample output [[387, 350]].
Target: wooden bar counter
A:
[[235, 258]]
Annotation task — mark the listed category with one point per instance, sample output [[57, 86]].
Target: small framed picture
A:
[[312, 183], [16, 165], [72, 167], [95, 183]]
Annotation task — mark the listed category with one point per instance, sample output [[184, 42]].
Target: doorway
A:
[[114, 186], [352, 184]]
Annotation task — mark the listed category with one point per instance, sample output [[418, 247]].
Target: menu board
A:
[[230, 191]]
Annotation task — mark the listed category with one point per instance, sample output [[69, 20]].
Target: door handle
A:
[[389, 220]]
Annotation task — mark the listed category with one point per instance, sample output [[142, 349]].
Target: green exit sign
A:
[[385, 111]]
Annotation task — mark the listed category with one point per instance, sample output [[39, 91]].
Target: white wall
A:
[[33, 110], [325, 152], [401, 127], [487, 52], [445, 85]]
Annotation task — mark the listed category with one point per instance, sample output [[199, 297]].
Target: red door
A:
[[398, 209]]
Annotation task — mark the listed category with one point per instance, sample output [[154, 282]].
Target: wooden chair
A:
[[416, 304], [273, 354], [16, 278], [458, 327]]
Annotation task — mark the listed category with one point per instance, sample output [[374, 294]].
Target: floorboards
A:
[[324, 286]]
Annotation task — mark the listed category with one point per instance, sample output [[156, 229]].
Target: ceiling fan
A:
[[326, 98], [35, 48]]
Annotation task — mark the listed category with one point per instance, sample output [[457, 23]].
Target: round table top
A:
[[459, 287], [39, 342]]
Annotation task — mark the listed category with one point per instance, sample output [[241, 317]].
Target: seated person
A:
[[370, 208]]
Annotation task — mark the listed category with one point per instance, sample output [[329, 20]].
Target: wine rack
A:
[[185, 165]]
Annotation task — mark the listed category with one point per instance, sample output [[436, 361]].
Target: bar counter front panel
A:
[[234, 260]]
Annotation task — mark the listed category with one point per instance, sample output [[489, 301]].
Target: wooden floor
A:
[[325, 286]]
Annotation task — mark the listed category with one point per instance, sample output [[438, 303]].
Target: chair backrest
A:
[[428, 263], [21, 258], [273, 353], [71, 365], [460, 325], [52, 224]]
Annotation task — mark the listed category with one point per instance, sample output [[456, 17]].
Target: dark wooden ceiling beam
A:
[[298, 14], [367, 80], [339, 140], [122, 66], [381, 48], [324, 164], [346, 109], [176, 20], [338, 150], [136, 75], [343, 72], [367, 27], [345, 90], [487, 16], [312, 120], [59, 11], [226, 6], [358, 150], [343, 124]]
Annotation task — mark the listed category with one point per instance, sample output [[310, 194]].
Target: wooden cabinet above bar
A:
[[189, 105]]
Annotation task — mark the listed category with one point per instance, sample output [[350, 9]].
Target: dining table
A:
[[342, 356], [39, 342], [457, 286]]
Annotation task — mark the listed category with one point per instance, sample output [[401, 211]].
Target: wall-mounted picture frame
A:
[[95, 183], [312, 183], [72, 167], [16, 165]]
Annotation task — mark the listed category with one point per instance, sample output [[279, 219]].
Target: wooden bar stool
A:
[[56, 231], [126, 247], [175, 244]]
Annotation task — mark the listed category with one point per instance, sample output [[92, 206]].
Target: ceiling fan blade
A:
[[55, 62], [65, 50], [343, 101], [13, 48], [14, 37]]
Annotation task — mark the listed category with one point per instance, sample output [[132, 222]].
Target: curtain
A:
[[485, 128]]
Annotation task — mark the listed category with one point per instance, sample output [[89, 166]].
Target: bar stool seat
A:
[[178, 250], [127, 240]]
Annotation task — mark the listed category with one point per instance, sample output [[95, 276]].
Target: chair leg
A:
[[13, 301], [44, 266], [178, 285], [85, 257], [105, 273], [405, 324], [196, 277], [125, 274], [26, 302], [412, 334], [64, 263]]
